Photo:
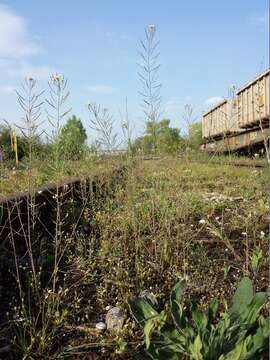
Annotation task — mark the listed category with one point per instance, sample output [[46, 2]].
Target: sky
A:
[[205, 47]]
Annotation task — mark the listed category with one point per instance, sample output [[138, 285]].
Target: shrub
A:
[[240, 332], [159, 135], [73, 138], [195, 135]]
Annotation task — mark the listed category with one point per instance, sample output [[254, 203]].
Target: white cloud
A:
[[16, 49], [15, 40], [101, 89], [213, 100]]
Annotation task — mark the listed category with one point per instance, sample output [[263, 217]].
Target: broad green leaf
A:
[[148, 329], [199, 318], [141, 310], [212, 310], [240, 351], [195, 349], [164, 352], [172, 335], [260, 340], [242, 296], [176, 307], [178, 291], [251, 313]]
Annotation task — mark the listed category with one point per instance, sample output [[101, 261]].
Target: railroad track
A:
[[238, 164], [251, 164]]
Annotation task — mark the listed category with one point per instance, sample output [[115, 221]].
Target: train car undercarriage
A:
[[249, 141]]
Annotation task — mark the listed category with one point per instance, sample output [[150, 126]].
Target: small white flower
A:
[[217, 218], [202, 221], [262, 234], [57, 77], [152, 28], [244, 233]]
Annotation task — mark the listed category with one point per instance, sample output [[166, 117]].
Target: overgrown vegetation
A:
[[153, 214], [239, 333]]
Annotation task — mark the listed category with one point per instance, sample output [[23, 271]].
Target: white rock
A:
[[101, 326]]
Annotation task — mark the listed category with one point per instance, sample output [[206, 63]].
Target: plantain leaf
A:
[[164, 351], [260, 340], [148, 329], [199, 317], [212, 310], [242, 296], [251, 312], [176, 307], [141, 310], [240, 351], [195, 349]]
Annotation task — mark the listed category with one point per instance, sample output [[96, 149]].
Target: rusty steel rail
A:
[[237, 164], [251, 164], [14, 208]]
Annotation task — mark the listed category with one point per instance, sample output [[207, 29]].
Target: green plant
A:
[[166, 139], [226, 270], [73, 138], [239, 333], [256, 260], [195, 135]]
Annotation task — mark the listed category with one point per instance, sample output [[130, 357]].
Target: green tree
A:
[[195, 135], [160, 135], [72, 139]]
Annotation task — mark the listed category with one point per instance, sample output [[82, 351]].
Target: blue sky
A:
[[205, 47]]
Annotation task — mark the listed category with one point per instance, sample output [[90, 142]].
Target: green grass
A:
[[16, 178], [175, 219], [169, 219]]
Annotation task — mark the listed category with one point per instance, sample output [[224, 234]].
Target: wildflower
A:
[[152, 28], [202, 221], [57, 77], [217, 218], [262, 234], [244, 233]]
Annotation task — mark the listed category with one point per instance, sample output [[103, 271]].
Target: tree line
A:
[[159, 137]]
